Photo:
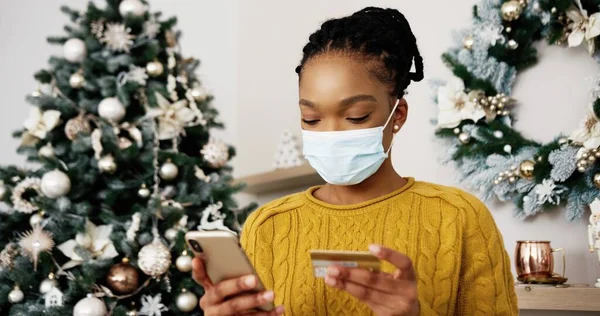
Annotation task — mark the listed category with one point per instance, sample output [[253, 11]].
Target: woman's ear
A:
[[400, 116]]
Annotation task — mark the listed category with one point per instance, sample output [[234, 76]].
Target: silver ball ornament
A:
[[111, 109], [154, 259], [74, 50], [132, 7], [90, 306], [187, 301], [171, 234], [184, 263], [464, 138], [55, 184], [168, 171], [36, 219], [76, 80], [154, 68], [107, 164], [16, 295], [48, 284]]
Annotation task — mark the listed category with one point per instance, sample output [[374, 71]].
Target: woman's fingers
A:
[[379, 281], [199, 273], [242, 304], [399, 260], [222, 290]]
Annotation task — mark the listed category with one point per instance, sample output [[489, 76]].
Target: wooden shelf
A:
[[572, 298], [281, 179]]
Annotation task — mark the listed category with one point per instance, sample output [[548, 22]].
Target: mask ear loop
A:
[[387, 122]]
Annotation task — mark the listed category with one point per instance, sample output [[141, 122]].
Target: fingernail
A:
[[250, 281], [330, 281], [375, 249], [279, 310], [333, 271], [269, 295]]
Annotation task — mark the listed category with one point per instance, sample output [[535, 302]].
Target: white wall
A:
[[249, 50]]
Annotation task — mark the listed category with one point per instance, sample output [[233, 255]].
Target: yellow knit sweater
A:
[[458, 253]]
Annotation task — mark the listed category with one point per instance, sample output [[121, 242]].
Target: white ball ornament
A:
[[184, 263], [47, 151], [107, 164], [111, 109], [48, 284], [132, 7], [154, 259], [16, 295], [55, 184], [36, 219], [74, 50], [187, 301], [90, 306], [76, 80], [171, 234], [168, 171]]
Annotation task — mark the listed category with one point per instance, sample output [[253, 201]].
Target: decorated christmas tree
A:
[[287, 155], [119, 132]]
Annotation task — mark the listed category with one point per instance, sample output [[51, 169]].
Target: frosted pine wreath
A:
[[475, 107]]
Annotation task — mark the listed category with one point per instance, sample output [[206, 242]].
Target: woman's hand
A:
[[386, 294], [227, 298]]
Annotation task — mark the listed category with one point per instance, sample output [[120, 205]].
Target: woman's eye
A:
[[358, 119], [310, 122]]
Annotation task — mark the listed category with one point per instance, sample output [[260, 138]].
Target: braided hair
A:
[[373, 33]]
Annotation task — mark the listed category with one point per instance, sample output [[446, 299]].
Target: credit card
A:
[[321, 259]]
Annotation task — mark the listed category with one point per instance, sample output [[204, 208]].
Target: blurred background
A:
[[249, 50]]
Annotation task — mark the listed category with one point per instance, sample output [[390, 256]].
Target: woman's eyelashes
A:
[[359, 120], [310, 122]]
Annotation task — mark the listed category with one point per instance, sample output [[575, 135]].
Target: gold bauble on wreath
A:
[[511, 10], [154, 68], [597, 180], [526, 169], [123, 278]]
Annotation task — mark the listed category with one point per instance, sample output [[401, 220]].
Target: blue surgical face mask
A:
[[346, 157]]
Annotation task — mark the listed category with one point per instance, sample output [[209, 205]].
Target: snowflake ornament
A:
[[135, 74], [34, 242], [151, 28], [152, 306], [548, 192], [216, 153], [117, 37], [491, 34]]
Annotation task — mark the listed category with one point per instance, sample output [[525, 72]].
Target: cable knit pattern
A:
[[461, 264]]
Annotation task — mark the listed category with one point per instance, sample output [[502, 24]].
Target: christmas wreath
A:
[[475, 118]]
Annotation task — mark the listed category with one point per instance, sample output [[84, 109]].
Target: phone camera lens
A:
[[196, 246]]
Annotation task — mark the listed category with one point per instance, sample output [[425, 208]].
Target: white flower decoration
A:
[[173, 118], [588, 134], [38, 124], [549, 192], [583, 27], [455, 105], [96, 240]]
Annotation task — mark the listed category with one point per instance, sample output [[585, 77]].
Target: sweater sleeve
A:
[[486, 285]]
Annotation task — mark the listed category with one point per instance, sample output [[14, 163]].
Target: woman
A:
[[442, 253]]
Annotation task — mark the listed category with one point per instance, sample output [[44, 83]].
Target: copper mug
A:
[[535, 261]]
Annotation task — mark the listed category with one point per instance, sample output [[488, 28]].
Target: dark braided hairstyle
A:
[[374, 34]]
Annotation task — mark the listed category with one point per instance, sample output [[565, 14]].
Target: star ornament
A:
[[34, 242], [173, 118]]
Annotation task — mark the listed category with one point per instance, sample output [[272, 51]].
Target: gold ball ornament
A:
[[144, 192], [597, 180], [155, 68], [186, 301], [168, 171], [154, 259], [464, 138], [199, 94], [468, 42], [77, 80], [512, 44], [123, 278], [107, 164], [526, 169], [511, 10], [77, 125]]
